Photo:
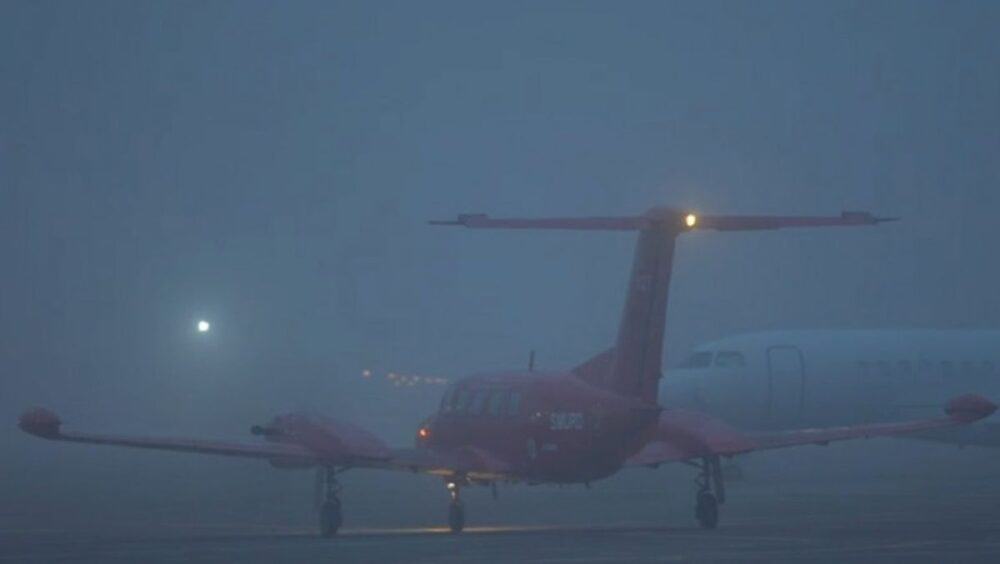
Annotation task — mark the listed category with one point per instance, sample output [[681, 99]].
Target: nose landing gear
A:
[[456, 511], [330, 516], [711, 492]]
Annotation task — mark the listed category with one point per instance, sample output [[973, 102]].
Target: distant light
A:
[[366, 373], [691, 220], [204, 326]]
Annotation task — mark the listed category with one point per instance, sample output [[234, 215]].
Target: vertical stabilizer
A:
[[638, 355]]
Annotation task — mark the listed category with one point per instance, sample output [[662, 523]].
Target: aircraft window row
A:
[[946, 369], [484, 401], [723, 359]]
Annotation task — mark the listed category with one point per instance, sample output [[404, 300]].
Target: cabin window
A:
[[729, 359], [497, 398], [905, 369], [947, 370], [478, 402], [514, 404], [461, 403], [448, 399], [698, 360], [926, 370]]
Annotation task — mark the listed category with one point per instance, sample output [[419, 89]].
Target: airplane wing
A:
[[298, 441], [685, 435]]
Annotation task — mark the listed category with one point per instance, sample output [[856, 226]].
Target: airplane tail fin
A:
[[633, 367]]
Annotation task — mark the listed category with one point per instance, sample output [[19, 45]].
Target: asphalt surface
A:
[[817, 522]]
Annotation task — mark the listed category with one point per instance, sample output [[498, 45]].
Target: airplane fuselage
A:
[[548, 427], [792, 379]]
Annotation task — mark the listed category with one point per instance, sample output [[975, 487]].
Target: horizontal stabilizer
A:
[[483, 221], [669, 219]]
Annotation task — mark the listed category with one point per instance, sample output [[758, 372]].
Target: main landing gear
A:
[[330, 517], [456, 511], [711, 492]]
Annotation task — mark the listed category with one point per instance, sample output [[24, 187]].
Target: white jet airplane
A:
[[793, 379]]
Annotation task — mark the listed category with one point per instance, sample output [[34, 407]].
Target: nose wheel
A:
[[711, 492], [456, 511], [330, 516]]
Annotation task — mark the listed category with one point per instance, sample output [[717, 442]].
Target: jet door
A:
[[785, 385]]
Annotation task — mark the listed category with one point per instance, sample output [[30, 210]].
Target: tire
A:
[[707, 511], [456, 517], [330, 518]]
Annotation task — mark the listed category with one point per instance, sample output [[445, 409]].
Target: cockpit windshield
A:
[[701, 359], [720, 359], [729, 359]]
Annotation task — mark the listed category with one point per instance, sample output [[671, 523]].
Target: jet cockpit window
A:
[[701, 359], [730, 359]]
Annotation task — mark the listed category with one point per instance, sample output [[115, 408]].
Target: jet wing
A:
[[684, 435], [301, 442]]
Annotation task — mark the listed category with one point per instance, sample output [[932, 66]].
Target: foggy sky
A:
[[271, 167]]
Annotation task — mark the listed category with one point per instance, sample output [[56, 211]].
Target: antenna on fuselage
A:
[[531, 361]]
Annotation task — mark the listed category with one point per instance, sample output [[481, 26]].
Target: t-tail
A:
[[634, 365]]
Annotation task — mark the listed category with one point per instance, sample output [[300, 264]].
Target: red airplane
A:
[[563, 427]]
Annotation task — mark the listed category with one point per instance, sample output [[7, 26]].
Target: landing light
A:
[[204, 326], [424, 432], [691, 220]]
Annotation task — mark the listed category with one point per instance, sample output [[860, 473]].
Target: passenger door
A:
[[785, 386]]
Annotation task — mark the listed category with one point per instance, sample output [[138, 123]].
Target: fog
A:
[[270, 167]]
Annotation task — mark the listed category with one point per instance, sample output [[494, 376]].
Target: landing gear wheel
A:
[[456, 516], [707, 511], [330, 518]]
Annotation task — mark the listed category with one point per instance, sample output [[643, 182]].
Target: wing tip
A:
[[969, 408], [40, 422]]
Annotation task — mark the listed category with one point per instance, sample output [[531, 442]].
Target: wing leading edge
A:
[[334, 444]]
